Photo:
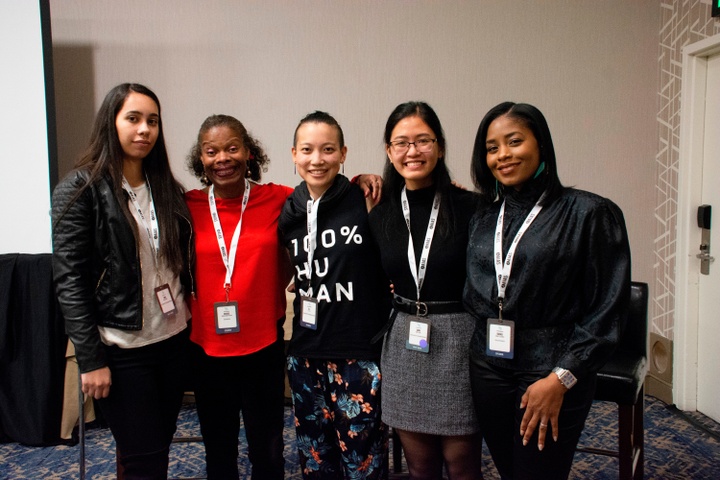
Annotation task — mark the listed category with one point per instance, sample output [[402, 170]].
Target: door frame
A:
[[687, 267]]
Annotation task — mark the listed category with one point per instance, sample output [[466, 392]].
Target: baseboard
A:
[[658, 381]]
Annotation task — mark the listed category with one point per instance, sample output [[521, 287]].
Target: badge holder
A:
[[227, 318], [418, 334], [309, 312], [165, 300], [500, 338]]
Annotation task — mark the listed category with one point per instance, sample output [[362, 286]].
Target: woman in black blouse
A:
[[549, 283], [421, 228]]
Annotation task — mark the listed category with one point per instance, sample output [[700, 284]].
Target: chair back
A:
[[634, 338]]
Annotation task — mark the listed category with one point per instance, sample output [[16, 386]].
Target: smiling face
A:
[[138, 125], [415, 167], [513, 155], [318, 155], [224, 158]]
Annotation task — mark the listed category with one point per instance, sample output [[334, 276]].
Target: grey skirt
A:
[[429, 392]]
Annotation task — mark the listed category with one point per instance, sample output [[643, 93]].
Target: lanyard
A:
[[151, 229], [312, 227], [502, 269], [419, 274], [229, 261]]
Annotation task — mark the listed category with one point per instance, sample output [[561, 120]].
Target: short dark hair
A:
[[258, 159], [320, 117], [533, 119]]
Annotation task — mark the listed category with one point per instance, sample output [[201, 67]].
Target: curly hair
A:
[[258, 159]]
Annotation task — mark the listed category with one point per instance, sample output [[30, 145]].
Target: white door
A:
[[708, 380]]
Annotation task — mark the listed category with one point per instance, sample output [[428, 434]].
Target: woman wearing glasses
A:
[[422, 230]]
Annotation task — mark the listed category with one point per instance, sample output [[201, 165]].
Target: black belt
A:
[[423, 309]]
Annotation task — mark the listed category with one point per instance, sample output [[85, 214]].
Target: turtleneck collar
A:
[[529, 194], [421, 194]]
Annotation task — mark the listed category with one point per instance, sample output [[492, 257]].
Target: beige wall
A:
[[590, 66]]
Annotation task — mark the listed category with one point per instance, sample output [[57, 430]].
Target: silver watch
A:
[[565, 376]]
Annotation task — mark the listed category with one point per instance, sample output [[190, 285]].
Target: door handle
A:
[[704, 218]]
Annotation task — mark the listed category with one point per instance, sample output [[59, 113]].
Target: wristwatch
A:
[[566, 377]]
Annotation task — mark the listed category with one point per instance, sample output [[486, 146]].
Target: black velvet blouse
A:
[[569, 288]]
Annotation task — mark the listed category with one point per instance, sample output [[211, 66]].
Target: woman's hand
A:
[[542, 401], [372, 188], [96, 383]]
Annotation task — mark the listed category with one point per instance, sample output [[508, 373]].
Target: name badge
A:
[[418, 338], [226, 317], [500, 338], [165, 300], [308, 312]]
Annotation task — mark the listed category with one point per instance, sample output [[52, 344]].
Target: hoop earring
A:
[[204, 179]]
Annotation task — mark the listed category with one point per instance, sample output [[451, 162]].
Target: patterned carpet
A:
[[677, 446]]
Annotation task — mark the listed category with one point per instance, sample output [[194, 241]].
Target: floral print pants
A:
[[337, 418]]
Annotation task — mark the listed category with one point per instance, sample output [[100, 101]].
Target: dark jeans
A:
[[254, 385], [497, 393], [143, 405]]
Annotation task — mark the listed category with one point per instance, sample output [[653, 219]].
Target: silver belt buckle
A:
[[422, 309]]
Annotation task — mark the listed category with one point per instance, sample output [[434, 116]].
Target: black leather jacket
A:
[[96, 265]]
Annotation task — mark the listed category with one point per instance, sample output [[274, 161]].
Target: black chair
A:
[[621, 381]]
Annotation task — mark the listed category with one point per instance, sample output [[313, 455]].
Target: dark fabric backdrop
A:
[[32, 351]]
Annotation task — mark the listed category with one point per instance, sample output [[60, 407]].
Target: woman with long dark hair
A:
[[122, 248], [421, 227], [548, 281]]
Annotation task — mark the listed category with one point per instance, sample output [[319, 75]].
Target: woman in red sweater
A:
[[240, 306]]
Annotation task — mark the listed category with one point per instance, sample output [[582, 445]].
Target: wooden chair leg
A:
[[639, 437], [625, 441], [631, 451]]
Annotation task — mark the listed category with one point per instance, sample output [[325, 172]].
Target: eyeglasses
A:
[[422, 145]]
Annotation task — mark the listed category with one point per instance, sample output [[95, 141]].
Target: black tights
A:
[[426, 454]]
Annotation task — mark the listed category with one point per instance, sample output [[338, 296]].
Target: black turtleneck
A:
[[446, 264]]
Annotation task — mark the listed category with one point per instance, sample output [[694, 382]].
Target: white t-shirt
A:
[[156, 327]]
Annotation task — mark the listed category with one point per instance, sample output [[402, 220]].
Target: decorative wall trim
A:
[[683, 22]]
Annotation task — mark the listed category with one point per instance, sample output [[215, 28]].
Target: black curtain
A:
[[32, 351]]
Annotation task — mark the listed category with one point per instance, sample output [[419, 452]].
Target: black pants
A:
[[254, 385], [497, 393], [143, 405]]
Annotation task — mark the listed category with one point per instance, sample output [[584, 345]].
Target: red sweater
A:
[[260, 275]]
